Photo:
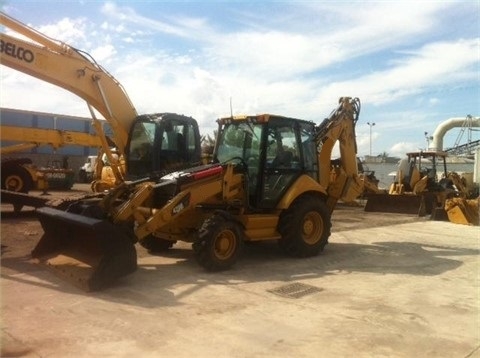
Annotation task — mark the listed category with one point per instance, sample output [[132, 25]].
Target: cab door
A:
[[282, 162]]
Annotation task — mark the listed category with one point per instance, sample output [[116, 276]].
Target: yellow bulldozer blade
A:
[[88, 252]]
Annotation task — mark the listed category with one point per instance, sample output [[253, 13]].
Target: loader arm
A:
[[201, 186], [340, 127], [62, 65]]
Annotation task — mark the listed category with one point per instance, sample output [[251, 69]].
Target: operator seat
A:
[[284, 159]]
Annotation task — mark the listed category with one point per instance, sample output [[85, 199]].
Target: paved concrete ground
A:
[[407, 289]]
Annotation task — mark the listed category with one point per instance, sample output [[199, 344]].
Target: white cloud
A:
[[436, 64], [296, 62], [273, 55], [67, 30], [21, 91], [103, 54], [401, 148], [128, 14]]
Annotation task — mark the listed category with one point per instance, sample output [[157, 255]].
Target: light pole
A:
[[371, 125]]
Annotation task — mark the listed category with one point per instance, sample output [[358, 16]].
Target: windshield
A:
[[141, 149], [141, 143], [239, 140]]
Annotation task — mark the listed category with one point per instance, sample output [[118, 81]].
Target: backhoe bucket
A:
[[420, 205], [88, 252], [463, 211]]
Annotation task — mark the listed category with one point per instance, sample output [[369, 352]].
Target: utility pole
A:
[[371, 125], [428, 140]]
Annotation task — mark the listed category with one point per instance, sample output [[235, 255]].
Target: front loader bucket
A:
[[403, 204], [88, 252]]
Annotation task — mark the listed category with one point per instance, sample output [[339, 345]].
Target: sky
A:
[[413, 64]]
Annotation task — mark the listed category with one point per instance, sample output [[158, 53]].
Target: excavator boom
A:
[[142, 144], [64, 66]]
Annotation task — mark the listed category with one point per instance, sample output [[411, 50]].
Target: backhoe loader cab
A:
[[423, 164], [274, 150], [165, 141], [418, 188]]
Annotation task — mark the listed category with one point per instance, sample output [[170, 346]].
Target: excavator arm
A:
[[342, 181], [62, 65], [35, 137]]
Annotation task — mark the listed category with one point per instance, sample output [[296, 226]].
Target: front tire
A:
[[305, 227], [219, 244]]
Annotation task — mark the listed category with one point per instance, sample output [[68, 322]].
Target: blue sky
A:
[[413, 64]]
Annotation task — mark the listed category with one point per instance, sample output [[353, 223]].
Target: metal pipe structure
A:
[[437, 138]]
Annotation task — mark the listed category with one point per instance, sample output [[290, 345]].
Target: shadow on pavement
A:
[[151, 285]]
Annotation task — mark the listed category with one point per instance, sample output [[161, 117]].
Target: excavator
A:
[[270, 179], [169, 141]]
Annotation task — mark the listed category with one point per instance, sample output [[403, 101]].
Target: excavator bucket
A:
[[88, 252], [420, 205]]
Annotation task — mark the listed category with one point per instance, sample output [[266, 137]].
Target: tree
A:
[[384, 156], [208, 143]]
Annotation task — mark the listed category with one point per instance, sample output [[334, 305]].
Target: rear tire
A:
[[305, 227], [16, 179], [220, 243]]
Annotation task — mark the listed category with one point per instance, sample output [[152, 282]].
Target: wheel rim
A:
[[14, 183], [225, 244], [312, 227]]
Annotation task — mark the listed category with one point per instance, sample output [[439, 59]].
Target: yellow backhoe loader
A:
[[168, 141], [424, 186], [270, 179]]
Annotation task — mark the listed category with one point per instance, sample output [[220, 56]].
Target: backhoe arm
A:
[[340, 126]]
